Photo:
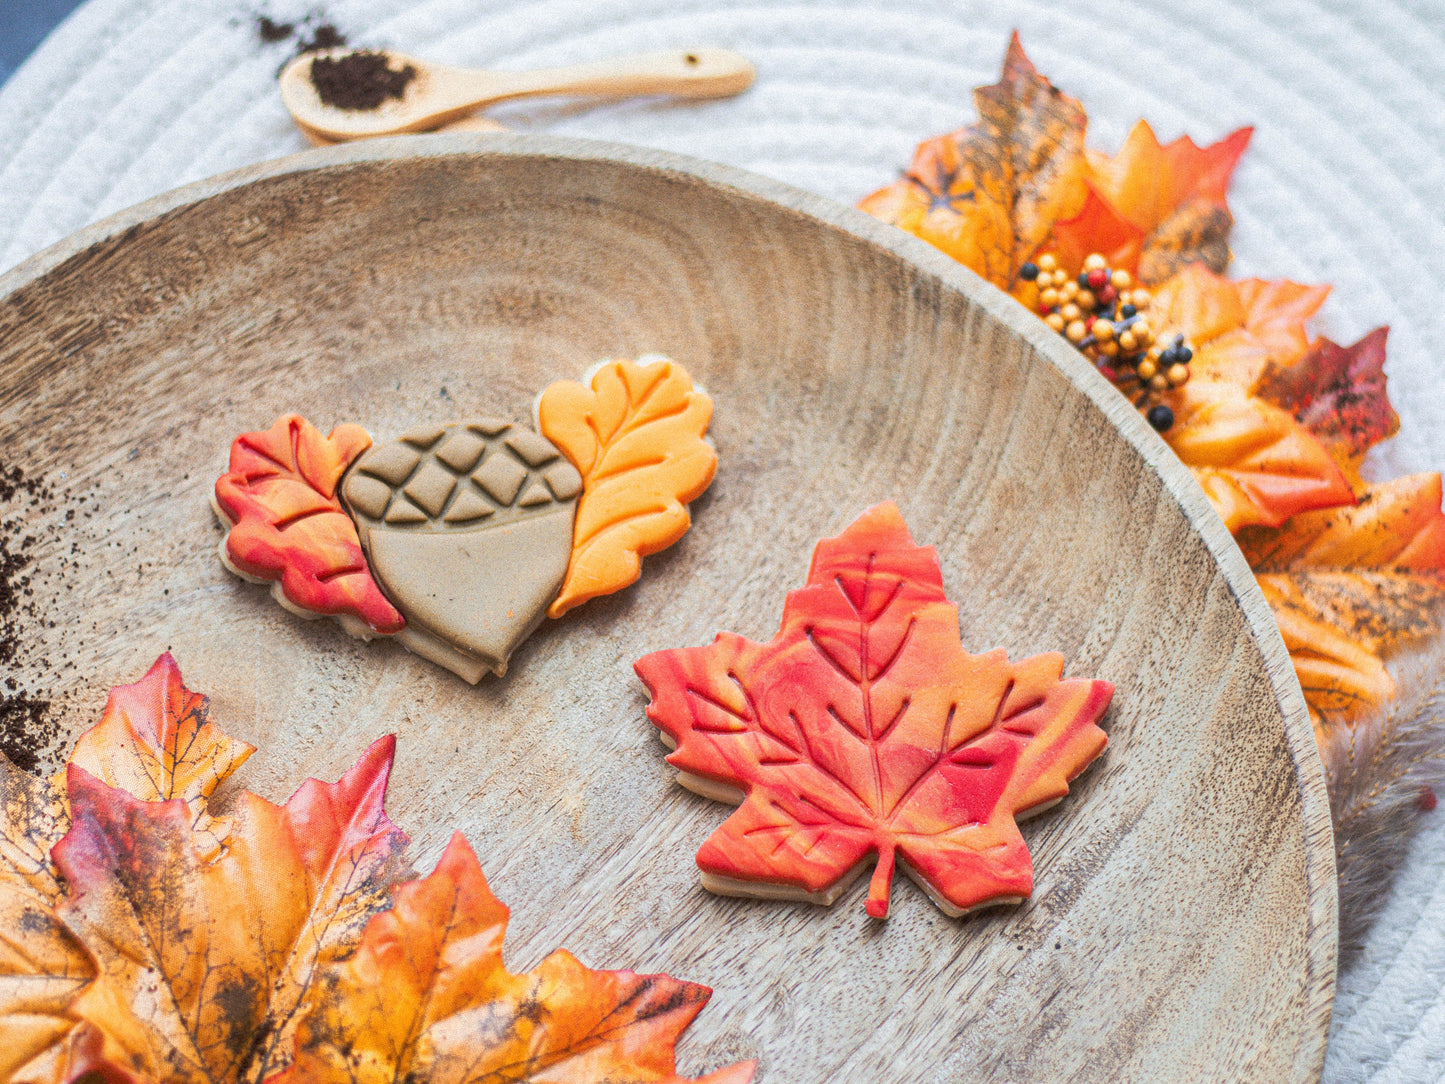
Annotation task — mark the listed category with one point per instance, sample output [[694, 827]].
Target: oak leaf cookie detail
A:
[[863, 729], [635, 432], [288, 528]]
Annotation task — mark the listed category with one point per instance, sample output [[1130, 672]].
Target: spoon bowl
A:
[[432, 95]]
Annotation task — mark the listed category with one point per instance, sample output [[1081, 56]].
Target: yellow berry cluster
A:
[[1101, 311]]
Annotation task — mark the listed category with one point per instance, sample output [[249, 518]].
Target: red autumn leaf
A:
[[426, 997], [864, 728], [1097, 228], [288, 526], [1338, 393], [988, 195]]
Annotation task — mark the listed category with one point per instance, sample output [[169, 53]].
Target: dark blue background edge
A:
[[23, 26]]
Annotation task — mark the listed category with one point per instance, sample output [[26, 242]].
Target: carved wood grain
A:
[[1183, 922]]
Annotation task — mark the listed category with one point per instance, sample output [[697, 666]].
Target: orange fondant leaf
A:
[[863, 728], [426, 997], [1338, 393], [288, 526], [989, 194], [1257, 465], [636, 437], [1349, 584]]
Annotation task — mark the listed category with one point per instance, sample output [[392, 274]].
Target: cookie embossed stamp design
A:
[[457, 540]]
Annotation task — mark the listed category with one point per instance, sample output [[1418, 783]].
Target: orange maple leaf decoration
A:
[[288, 526], [1274, 427], [152, 953], [1347, 585], [989, 194], [864, 728], [426, 997], [1173, 195]]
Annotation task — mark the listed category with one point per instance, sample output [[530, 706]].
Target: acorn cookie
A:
[[457, 540]]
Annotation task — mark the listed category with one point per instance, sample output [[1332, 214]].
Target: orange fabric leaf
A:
[[989, 194], [1349, 584], [1148, 182], [288, 526], [863, 728], [426, 997], [1097, 228], [1257, 465], [1339, 394], [636, 437], [42, 966], [204, 961], [1237, 329], [1397, 526], [155, 740], [1174, 195]]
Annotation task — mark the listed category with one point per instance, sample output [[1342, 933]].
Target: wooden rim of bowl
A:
[[1299, 733]]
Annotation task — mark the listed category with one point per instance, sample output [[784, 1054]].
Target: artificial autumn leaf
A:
[[1174, 195], [1254, 461], [1237, 330], [1349, 584], [988, 195], [288, 527], [42, 965], [426, 997], [155, 741], [1096, 228], [1338, 393], [864, 728], [204, 961], [1397, 526], [636, 437]]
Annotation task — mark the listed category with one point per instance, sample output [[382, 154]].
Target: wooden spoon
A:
[[437, 94]]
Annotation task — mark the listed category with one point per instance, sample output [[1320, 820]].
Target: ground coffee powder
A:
[[360, 80]]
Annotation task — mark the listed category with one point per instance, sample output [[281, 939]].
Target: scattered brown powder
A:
[[311, 35], [26, 729]]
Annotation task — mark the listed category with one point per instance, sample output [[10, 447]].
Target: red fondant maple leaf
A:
[[288, 526], [864, 728]]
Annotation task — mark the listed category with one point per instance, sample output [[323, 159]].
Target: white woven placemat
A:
[[1344, 183]]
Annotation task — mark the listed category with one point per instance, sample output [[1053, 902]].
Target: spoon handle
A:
[[687, 73]]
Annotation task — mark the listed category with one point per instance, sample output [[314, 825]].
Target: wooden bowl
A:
[[1183, 922]]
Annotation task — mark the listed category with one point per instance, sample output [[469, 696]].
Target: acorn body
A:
[[468, 530]]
